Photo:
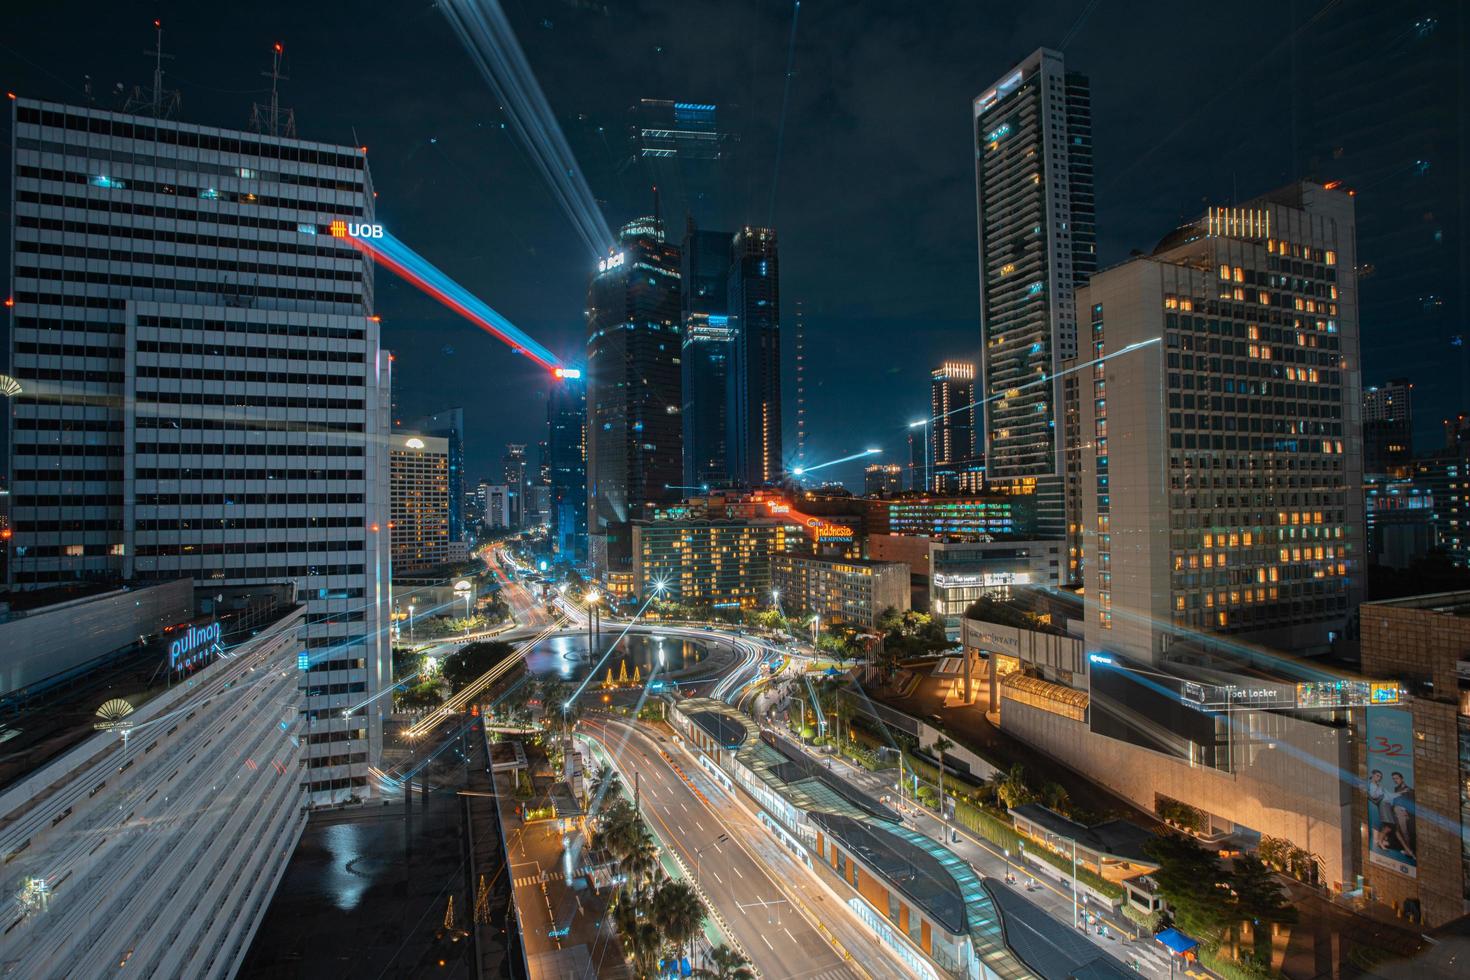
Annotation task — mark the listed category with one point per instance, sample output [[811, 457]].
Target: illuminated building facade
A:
[[1234, 505], [953, 416], [969, 518], [449, 426], [1388, 428], [753, 413], [635, 434], [205, 392], [514, 462], [188, 825], [1419, 643], [566, 458], [418, 484], [840, 590], [708, 355], [1038, 243], [709, 562], [882, 479]]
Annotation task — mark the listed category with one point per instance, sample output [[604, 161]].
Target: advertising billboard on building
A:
[[1390, 788]]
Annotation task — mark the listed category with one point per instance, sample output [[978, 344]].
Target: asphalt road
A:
[[736, 877]]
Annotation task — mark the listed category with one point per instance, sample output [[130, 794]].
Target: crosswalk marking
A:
[[540, 879]]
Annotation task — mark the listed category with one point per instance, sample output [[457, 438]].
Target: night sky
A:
[[875, 200]]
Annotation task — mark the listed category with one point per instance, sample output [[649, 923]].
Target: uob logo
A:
[[365, 231]]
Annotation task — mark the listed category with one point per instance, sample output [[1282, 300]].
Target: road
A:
[[1120, 941], [747, 877]]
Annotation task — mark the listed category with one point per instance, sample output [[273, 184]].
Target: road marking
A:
[[685, 808], [699, 825], [737, 872], [717, 876], [767, 942], [788, 934]]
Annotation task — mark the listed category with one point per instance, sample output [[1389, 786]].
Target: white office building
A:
[[153, 849], [204, 391]]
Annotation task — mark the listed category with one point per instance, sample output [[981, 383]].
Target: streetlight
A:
[[776, 600], [410, 625], [1008, 863]]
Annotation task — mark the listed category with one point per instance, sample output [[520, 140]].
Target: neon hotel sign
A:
[[191, 649]]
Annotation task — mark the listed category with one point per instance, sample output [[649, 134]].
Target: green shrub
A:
[[1248, 968]]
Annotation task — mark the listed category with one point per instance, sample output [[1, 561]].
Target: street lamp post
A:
[[410, 625]]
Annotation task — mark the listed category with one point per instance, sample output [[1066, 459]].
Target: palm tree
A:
[[677, 912], [725, 964], [942, 745], [641, 862], [641, 939], [620, 829], [1011, 789]]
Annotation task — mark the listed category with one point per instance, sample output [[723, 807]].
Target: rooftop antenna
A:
[[159, 104], [272, 119]]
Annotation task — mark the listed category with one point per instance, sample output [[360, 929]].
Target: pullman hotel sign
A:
[[194, 648]]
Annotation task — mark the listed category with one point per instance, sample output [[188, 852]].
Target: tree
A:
[[472, 660], [677, 912], [1011, 789], [1193, 883], [641, 938], [421, 697], [725, 964], [942, 745], [1259, 900], [641, 862]]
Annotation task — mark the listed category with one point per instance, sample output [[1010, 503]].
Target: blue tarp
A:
[[1176, 942]]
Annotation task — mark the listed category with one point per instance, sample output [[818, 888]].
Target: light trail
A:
[[1044, 379], [785, 102], [387, 690], [658, 590], [486, 34], [802, 470], [474, 688], [398, 258]]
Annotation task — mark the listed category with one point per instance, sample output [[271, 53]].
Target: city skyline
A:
[[530, 268], [1056, 586]]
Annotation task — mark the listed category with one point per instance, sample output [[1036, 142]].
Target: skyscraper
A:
[[708, 350], [753, 405], [204, 391], [566, 457], [1388, 428], [634, 389], [449, 426], [882, 479], [515, 478], [1222, 474], [682, 150], [1034, 189], [419, 489], [952, 425]]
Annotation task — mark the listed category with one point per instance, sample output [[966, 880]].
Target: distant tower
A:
[[800, 385], [272, 119]]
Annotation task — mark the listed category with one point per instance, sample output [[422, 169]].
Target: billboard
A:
[[1389, 784]]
